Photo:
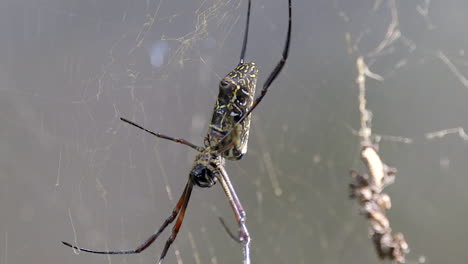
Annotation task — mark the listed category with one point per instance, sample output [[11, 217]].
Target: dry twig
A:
[[367, 188]]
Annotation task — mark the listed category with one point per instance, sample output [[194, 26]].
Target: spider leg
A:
[[178, 224], [244, 237], [159, 135], [246, 35], [272, 76], [228, 231], [182, 203]]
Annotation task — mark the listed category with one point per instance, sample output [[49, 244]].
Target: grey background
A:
[[69, 69]]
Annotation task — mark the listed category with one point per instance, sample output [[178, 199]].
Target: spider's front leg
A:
[[243, 237]]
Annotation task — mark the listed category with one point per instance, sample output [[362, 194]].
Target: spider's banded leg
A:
[[183, 200], [246, 35], [177, 225], [271, 78], [244, 237], [159, 135], [230, 233]]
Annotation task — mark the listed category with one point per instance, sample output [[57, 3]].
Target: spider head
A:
[[202, 176], [203, 170]]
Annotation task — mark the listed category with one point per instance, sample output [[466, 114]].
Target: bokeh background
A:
[[71, 170]]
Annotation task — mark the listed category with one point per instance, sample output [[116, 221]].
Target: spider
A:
[[227, 138]]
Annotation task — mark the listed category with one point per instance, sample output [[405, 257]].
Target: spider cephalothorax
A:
[[204, 168]]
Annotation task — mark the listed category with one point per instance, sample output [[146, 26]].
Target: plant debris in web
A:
[[373, 203], [367, 188]]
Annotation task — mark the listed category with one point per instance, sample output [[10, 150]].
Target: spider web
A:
[[71, 170]]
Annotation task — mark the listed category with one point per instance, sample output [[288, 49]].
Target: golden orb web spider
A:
[[227, 137]]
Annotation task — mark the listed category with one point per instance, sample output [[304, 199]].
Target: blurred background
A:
[[71, 170]]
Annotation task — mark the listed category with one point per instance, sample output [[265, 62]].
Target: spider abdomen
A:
[[236, 95]]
